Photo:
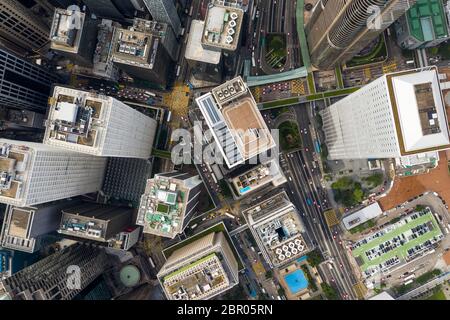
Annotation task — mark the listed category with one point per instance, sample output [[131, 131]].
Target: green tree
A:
[[358, 194], [375, 180], [329, 291], [315, 258]]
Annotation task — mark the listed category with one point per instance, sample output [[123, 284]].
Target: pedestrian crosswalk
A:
[[331, 218]]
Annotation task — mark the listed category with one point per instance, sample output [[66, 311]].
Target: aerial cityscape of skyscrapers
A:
[[224, 150]]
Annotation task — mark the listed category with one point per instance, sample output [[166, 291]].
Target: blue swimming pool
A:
[[296, 281], [301, 259]]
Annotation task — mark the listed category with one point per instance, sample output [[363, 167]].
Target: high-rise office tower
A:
[[164, 11], [169, 203], [142, 55], [53, 278], [103, 65], [205, 64], [74, 35], [24, 85], [201, 269], [14, 119], [162, 30], [236, 123], [34, 173], [94, 221], [399, 114], [222, 27], [338, 30], [115, 9], [90, 123], [19, 26], [24, 227]]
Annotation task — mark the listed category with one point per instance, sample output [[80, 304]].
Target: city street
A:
[[305, 187]]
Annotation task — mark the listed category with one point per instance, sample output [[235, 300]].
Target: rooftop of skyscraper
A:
[[239, 129], [14, 163], [222, 26], [195, 50], [201, 267], [66, 31], [427, 21], [137, 45], [419, 112], [103, 65], [76, 118], [163, 205], [92, 221]]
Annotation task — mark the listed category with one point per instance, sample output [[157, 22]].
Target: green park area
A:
[[276, 50], [289, 136], [400, 252], [347, 191]]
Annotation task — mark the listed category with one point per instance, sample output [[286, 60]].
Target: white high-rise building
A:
[[34, 173], [95, 124], [399, 114]]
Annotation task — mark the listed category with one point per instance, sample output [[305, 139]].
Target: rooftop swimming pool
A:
[[296, 281]]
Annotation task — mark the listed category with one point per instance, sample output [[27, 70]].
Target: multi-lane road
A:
[[274, 16], [306, 192]]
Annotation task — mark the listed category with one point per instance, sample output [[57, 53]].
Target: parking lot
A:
[[427, 262]]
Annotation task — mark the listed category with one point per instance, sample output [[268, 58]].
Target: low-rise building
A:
[[257, 178], [361, 216], [398, 244], [276, 226]]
